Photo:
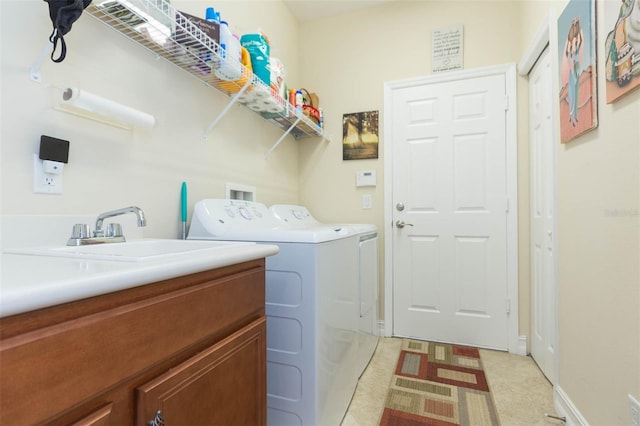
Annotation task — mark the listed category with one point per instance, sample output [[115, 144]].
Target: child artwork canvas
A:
[[577, 59], [622, 47]]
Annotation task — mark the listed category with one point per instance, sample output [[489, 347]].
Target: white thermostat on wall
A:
[[366, 178]]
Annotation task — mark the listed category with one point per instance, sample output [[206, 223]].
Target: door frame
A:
[[509, 71]]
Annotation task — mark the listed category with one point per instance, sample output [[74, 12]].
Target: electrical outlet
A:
[[45, 183], [635, 411]]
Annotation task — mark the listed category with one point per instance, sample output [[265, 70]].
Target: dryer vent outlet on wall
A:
[[236, 191]]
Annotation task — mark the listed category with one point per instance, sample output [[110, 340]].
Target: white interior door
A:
[[449, 212], [543, 253]]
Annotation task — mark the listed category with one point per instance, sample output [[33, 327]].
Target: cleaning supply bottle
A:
[[229, 68], [292, 102], [298, 102], [214, 17], [211, 15], [225, 38]]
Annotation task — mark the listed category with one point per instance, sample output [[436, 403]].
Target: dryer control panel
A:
[[293, 215]]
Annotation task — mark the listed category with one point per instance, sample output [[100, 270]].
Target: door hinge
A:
[[506, 103], [508, 305], [506, 209]]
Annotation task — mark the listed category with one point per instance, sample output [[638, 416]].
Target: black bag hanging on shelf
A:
[[63, 14]]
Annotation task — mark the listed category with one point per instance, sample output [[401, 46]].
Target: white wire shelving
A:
[[170, 34]]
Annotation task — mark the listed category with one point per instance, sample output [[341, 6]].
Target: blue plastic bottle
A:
[[298, 101], [212, 16]]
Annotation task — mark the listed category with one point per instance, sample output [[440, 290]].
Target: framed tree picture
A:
[[360, 135], [622, 47], [577, 58]]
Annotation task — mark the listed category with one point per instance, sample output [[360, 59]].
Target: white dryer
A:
[[311, 307], [299, 217]]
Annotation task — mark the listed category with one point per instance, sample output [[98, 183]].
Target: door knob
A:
[[401, 224]]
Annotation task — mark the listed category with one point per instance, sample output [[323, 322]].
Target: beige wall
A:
[[347, 59], [599, 291], [111, 168]]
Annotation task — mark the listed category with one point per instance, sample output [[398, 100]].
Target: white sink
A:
[[134, 251]]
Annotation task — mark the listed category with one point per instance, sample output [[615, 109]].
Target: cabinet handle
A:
[[158, 420]]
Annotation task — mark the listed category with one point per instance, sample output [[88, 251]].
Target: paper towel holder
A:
[[94, 107]]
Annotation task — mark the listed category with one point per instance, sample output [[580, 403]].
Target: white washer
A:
[[311, 306], [299, 217]]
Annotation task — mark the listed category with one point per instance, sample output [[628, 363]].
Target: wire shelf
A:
[[170, 34]]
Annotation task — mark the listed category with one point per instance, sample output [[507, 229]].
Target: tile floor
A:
[[521, 392]]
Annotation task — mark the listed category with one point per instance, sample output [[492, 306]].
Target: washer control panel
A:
[[240, 220], [219, 217]]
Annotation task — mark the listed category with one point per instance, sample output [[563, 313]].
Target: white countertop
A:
[[31, 282]]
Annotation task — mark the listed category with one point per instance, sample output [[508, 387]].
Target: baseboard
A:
[[564, 407], [522, 345], [381, 328]]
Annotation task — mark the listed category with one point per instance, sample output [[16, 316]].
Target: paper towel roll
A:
[[258, 107], [273, 108], [246, 97], [260, 92], [107, 108], [271, 104]]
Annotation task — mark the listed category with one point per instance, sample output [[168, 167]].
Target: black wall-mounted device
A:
[[54, 149]]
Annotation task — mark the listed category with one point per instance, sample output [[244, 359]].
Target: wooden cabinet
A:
[[193, 348], [230, 370]]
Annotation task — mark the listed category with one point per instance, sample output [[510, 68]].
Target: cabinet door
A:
[[223, 385], [100, 417]]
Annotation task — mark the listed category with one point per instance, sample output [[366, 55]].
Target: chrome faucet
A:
[[81, 236], [99, 232]]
